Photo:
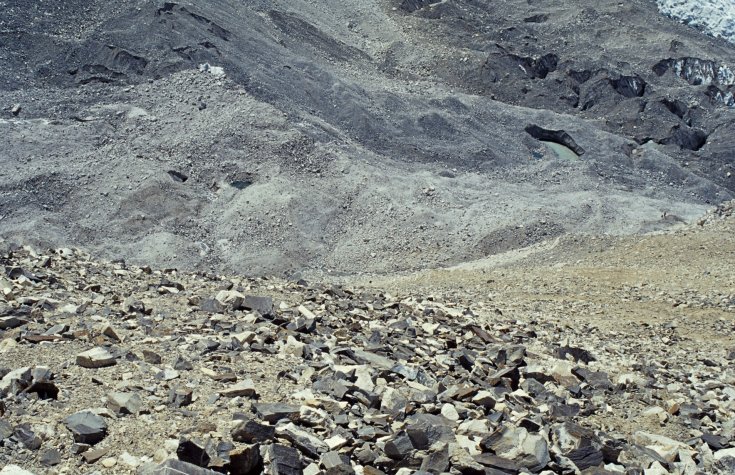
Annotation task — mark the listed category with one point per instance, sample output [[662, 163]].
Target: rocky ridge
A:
[[115, 368]]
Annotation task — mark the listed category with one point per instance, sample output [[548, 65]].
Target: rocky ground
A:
[[596, 356]]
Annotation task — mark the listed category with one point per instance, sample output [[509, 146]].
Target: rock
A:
[[129, 461], [246, 460], [180, 397], [527, 450], [178, 467], [124, 403], [6, 430], [667, 448], [715, 442], [50, 458], [95, 455], [182, 364], [190, 452], [245, 388], [721, 454], [450, 412], [14, 470], [167, 374], [230, 299], [336, 464], [399, 447], [15, 109], [578, 444], [499, 464], [306, 442], [151, 357], [596, 379], [8, 323], [393, 402], [95, 358], [436, 462], [274, 412], [25, 435], [211, 306], [262, 305], [283, 460], [87, 427], [250, 431], [293, 347]]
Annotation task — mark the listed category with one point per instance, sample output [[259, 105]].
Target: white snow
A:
[[716, 17]]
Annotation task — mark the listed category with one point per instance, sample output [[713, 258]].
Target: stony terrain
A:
[[288, 136], [608, 355], [498, 238]]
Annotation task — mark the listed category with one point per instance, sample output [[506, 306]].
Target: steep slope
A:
[[348, 136]]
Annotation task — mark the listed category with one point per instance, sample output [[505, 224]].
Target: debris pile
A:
[[123, 369]]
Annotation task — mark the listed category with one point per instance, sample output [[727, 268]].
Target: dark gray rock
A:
[[193, 453], [251, 431], [245, 460], [87, 427], [151, 357], [274, 412], [436, 462], [182, 364], [399, 447], [308, 443], [211, 305], [25, 435], [596, 379], [180, 397], [50, 457], [262, 305], [283, 460]]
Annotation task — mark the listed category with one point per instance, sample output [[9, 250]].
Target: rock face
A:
[[345, 135], [382, 384]]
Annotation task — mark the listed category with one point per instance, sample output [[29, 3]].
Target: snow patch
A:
[[716, 17], [217, 71]]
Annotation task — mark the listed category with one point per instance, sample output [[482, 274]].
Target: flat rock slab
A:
[[95, 358], [244, 388], [274, 412]]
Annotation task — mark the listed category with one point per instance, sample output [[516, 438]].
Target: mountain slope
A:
[[349, 136]]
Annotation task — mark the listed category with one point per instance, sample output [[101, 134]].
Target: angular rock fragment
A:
[[190, 452], [25, 435], [180, 397], [244, 388], [87, 427], [336, 464], [246, 461], [399, 447], [262, 305], [251, 431], [274, 412], [124, 403], [283, 460], [308, 443]]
